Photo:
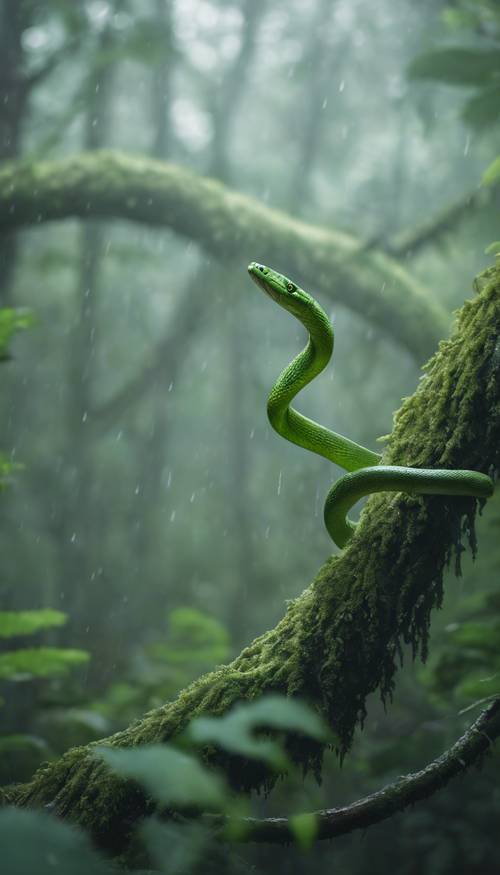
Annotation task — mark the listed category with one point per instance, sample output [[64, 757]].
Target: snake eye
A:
[[290, 287]]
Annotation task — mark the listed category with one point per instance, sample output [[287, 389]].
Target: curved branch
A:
[[341, 639], [231, 226], [379, 806]]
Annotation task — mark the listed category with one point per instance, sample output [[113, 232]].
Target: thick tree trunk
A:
[[341, 639]]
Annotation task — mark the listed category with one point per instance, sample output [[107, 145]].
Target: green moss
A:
[[341, 639]]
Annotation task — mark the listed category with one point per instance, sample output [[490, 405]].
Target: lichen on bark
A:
[[342, 638]]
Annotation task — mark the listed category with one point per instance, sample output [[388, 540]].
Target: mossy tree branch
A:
[[229, 225], [341, 639]]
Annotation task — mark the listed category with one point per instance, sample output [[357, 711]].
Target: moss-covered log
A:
[[231, 226], [340, 640]]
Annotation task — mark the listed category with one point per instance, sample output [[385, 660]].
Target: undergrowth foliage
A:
[[173, 779]]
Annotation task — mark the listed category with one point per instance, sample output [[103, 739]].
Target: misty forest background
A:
[[154, 506]]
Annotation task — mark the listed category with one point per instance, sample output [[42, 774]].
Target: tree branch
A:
[[341, 639], [431, 231], [229, 225], [379, 806]]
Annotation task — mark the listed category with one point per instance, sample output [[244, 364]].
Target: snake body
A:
[[365, 473]]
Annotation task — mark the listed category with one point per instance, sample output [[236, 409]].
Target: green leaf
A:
[[457, 66], [199, 627], [35, 842], [193, 637], [27, 622], [305, 829], [483, 110], [459, 18], [7, 467], [234, 731], [39, 662], [9, 743], [481, 636], [493, 248], [171, 777], [492, 173], [11, 321]]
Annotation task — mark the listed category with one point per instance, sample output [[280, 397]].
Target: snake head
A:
[[278, 287]]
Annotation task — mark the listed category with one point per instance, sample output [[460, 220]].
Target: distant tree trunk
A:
[[227, 97], [161, 84], [155, 454], [239, 612], [81, 511], [241, 608], [152, 453], [321, 61], [14, 18]]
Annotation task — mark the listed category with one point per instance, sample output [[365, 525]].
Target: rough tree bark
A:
[[342, 638], [231, 226]]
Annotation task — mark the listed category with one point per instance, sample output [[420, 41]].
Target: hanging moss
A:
[[341, 639]]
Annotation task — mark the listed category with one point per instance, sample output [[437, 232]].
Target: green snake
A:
[[365, 473]]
